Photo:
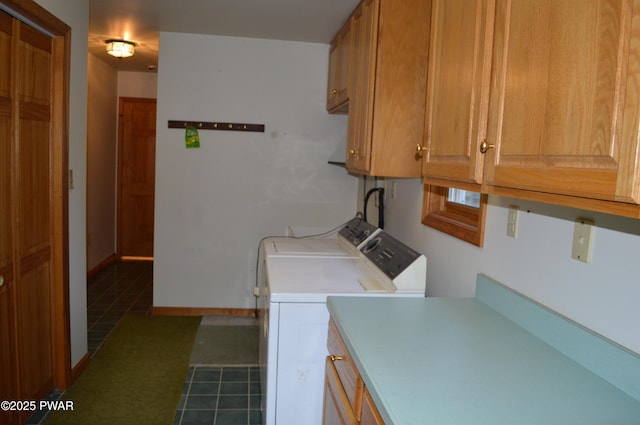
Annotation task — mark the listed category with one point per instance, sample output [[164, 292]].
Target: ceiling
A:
[[141, 21]]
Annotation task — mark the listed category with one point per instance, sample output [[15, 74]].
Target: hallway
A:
[[123, 288]]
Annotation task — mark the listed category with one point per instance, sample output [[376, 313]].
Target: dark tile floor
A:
[[123, 288], [211, 396], [227, 395]]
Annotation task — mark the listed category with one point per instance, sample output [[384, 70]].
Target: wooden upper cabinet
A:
[[457, 90], [386, 108], [552, 90], [339, 71], [564, 108]]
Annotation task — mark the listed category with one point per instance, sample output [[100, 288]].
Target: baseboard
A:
[[80, 367], [102, 265], [200, 311]]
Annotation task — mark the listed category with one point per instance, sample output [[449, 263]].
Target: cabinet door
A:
[[564, 105], [339, 70], [389, 98], [457, 89], [370, 415], [364, 28], [334, 67], [336, 410], [400, 87], [345, 60]]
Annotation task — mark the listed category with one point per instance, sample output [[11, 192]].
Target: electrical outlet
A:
[[512, 221], [582, 240]]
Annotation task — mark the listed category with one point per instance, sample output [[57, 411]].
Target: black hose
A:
[[380, 191]]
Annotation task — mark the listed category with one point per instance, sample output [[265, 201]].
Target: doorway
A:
[[136, 177]]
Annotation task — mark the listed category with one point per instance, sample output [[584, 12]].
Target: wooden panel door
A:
[[8, 376], [34, 348], [564, 102], [136, 177], [457, 89], [32, 204]]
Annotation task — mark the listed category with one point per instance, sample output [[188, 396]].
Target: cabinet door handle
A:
[[484, 146], [353, 152], [334, 91], [336, 358], [420, 149], [1, 280]]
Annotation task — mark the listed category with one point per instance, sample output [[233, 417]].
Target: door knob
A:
[[484, 146]]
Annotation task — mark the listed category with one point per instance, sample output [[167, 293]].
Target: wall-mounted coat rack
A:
[[228, 126]]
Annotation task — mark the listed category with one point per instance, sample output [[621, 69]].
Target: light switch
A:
[[582, 240]]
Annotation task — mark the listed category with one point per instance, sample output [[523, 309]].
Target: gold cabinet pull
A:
[[420, 149], [335, 358], [484, 146], [334, 91], [353, 152]]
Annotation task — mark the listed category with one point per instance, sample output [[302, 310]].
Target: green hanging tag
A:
[[191, 137]]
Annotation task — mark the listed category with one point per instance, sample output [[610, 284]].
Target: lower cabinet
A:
[[336, 408], [346, 399], [370, 415]]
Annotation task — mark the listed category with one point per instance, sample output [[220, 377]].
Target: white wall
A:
[[602, 295], [137, 84], [214, 204], [75, 13], [102, 111]]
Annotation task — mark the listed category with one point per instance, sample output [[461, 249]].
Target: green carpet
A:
[[136, 377]]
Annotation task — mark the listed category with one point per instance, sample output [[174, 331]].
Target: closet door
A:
[[8, 386], [32, 205]]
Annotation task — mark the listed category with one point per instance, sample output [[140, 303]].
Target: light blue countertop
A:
[[457, 361]]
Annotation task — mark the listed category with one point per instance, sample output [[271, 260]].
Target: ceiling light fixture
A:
[[120, 48]]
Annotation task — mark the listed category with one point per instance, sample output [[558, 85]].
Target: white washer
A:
[[294, 318]]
